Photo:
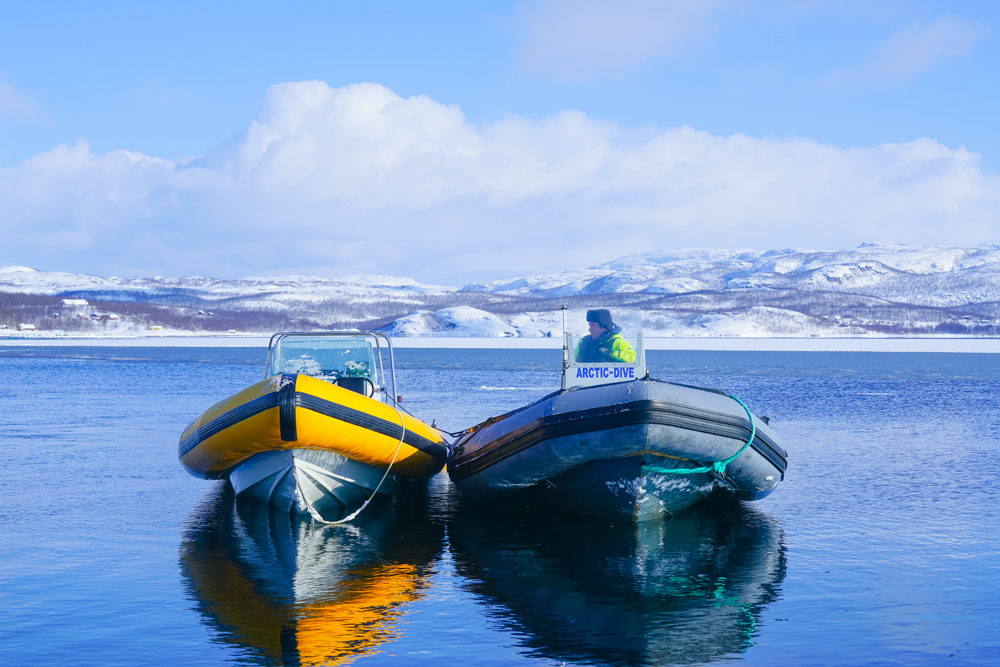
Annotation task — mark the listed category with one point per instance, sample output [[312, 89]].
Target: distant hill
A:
[[918, 275], [877, 288]]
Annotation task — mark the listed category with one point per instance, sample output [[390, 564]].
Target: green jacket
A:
[[610, 349]]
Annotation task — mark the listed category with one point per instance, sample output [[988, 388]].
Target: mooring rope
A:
[[717, 466], [315, 513]]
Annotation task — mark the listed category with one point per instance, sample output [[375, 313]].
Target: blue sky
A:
[[823, 84]]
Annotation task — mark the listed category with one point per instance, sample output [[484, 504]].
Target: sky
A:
[[454, 142]]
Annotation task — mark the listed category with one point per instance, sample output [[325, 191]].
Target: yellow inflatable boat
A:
[[322, 434]]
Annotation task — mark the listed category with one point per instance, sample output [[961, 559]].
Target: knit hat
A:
[[601, 317]]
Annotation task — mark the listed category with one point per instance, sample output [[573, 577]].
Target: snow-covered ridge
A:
[[883, 267], [881, 287], [926, 275], [31, 281]]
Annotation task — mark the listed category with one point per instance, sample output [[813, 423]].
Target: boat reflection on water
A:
[[286, 591], [689, 590], [282, 590]]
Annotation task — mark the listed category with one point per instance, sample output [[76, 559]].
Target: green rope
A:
[[718, 466]]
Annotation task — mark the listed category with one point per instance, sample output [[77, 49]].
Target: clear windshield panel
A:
[[585, 350], [326, 358], [627, 321]]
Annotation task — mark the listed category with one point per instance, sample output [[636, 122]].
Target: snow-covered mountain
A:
[[272, 290], [878, 287], [923, 275], [254, 302]]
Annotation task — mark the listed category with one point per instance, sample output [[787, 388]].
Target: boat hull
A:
[[591, 450], [318, 483]]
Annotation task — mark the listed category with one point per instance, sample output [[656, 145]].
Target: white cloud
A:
[[589, 40], [913, 50], [16, 104], [357, 179]]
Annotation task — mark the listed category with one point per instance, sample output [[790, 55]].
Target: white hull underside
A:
[[296, 480]]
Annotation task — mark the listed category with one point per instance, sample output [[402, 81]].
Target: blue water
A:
[[881, 547]]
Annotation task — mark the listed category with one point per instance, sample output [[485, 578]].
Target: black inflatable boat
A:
[[637, 449]]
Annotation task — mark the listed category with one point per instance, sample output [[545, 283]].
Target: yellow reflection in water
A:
[[363, 615]]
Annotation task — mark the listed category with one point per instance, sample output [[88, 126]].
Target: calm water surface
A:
[[881, 547]]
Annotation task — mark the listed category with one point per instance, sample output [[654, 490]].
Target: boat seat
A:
[[359, 385]]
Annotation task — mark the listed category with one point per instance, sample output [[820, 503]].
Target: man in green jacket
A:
[[605, 344]]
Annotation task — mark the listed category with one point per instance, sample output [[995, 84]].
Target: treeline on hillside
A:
[[824, 310], [47, 313], [827, 305], [328, 313]]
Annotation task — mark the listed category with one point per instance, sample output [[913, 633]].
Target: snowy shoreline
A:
[[959, 344]]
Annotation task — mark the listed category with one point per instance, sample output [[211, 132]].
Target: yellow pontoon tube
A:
[[321, 435]]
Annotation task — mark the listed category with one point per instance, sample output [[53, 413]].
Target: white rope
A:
[[316, 515]]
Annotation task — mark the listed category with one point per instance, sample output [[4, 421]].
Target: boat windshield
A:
[[326, 358]]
